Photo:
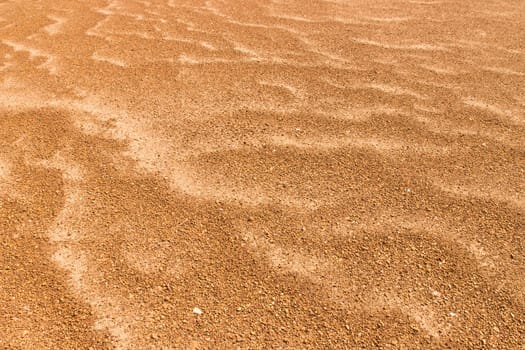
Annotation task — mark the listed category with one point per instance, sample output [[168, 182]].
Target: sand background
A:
[[307, 174]]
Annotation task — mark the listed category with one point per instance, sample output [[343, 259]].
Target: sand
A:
[[231, 174]]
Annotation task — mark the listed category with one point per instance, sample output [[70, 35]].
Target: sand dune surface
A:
[[227, 174]]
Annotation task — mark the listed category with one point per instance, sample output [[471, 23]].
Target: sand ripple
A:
[[336, 174]]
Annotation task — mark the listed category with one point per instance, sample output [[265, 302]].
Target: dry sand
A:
[[222, 174]]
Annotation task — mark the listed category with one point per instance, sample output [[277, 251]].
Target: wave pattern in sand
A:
[[194, 174]]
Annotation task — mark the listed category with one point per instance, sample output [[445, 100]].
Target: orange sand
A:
[[234, 174]]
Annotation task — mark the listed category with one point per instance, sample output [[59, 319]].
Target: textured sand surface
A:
[[223, 174]]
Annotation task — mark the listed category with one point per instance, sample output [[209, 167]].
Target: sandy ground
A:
[[227, 174]]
